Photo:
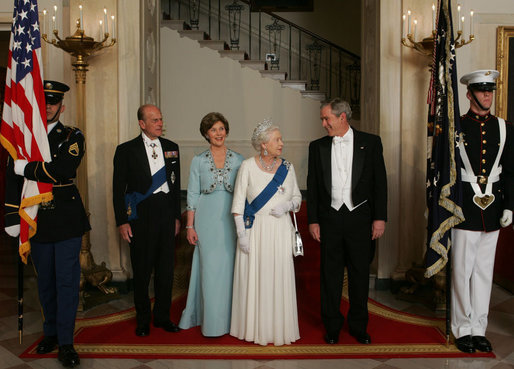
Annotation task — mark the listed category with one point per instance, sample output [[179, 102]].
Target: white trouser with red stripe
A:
[[472, 276]]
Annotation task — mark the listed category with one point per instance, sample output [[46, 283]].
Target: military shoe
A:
[[465, 344], [481, 343], [47, 344], [68, 356]]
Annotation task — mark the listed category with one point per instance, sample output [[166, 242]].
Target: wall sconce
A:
[[426, 45]]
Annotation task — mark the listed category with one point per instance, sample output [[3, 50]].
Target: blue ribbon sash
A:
[[265, 195], [132, 199]]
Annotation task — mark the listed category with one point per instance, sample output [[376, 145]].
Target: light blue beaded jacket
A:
[[204, 177]]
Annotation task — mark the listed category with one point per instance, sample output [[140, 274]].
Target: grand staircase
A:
[[300, 59], [203, 38]]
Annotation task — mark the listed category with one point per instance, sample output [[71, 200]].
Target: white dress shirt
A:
[[156, 162], [342, 158]]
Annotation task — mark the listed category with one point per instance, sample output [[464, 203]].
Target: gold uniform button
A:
[[482, 124], [483, 171], [483, 151], [73, 197], [483, 161], [483, 132], [484, 141]]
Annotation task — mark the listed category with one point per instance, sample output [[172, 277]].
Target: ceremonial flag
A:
[[444, 188], [23, 128]]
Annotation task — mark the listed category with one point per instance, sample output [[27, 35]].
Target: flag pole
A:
[[448, 294], [20, 299]]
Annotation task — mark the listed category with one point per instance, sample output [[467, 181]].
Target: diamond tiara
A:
[[261, 127]]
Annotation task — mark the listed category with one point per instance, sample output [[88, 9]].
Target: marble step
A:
[[274, 74], [314, 94], [254, 64], [294, 84], [233, 54], [214, 44], [193, 34]]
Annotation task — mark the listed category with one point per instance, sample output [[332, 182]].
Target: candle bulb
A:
[[458, 17], [54, 18], [44, 21], [415, 26], [101, 30], [53, 22], [462, 23], [403, 25], [113, 33], [471, 31], [408, 21], [433, 17], [81, 18], [106, 27]]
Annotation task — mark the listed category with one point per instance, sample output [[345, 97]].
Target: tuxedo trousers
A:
[[473, 254], [345, 242], [153, 249]]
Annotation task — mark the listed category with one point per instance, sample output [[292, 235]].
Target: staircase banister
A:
[[312, 34]]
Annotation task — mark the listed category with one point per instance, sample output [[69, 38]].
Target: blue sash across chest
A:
[[132, 199], [265, 195]]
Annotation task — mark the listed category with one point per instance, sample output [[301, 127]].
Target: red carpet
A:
[[394, 334]]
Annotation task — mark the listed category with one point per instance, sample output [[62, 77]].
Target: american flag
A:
[[444, 190], [23, 128]]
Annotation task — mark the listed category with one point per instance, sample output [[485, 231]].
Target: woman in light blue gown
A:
[[210, 226]]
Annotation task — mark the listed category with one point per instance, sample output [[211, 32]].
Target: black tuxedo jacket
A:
[[132, 173], [369, 180]]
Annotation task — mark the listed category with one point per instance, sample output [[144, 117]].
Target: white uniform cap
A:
[[481, 79]]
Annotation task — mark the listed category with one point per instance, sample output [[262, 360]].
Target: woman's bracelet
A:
[[189, 227]]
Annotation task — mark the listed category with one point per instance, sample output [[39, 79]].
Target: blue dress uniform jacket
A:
[[64, 217], [482, 141]]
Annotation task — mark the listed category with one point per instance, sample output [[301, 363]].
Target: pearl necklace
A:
[[270, 167]]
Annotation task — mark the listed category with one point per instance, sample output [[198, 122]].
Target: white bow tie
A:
[[339, 139]]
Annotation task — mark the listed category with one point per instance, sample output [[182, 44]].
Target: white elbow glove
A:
[[506, 219], [19, 166], [283, 208], [242, 238]]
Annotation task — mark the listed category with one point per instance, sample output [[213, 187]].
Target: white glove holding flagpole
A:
[[506, 219], [242, 238]]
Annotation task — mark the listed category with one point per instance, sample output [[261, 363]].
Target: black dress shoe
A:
[[465, 344], [68, 356], [481, 343], [168, 326], [48, 344], [142, 330], [363, 338], [331, 339]]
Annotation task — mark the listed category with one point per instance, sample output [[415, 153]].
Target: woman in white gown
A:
[[264, 296]]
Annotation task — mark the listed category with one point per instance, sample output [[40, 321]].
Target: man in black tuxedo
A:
[[139, 169], [347, 210]]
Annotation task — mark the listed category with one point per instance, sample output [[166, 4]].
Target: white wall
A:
[[196, 81]]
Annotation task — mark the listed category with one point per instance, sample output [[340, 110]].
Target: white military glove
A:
[[19, 166], [283, 208], [13, 231], [506, 219], [242, 238]]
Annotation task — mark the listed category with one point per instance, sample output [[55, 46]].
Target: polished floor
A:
[[500, 332]]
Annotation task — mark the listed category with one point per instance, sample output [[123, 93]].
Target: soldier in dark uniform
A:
[[488, 200], [61, 223]]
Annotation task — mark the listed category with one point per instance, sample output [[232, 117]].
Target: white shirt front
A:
[[342, 158], [155, 157]]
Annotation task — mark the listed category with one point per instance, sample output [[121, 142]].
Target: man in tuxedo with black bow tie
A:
[[146, 182], [347, 210]]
